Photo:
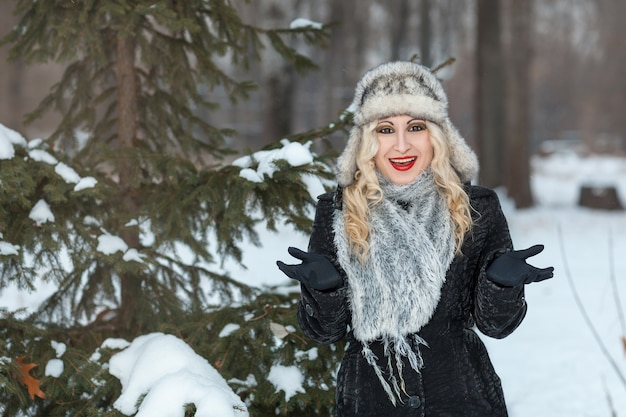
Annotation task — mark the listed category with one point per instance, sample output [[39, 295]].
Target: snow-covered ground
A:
[[552, 366]]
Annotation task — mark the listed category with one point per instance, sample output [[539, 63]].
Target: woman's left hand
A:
[[511, 269]]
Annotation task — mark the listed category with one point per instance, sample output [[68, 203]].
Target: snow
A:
[[286, 378], [8, 138], [8, 249], [7, 151], [300, 23], [296, 154], [133, 254], [41, 213], [551, 366], [311, 354], [109, 244], [558, 178], [84, 183], [250, 175], [54, 368], [40, 155], [170, 374], [59, 348], [229, 329], [115, 343], [67, 173]]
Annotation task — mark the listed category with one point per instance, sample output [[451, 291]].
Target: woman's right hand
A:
[[316, 271]]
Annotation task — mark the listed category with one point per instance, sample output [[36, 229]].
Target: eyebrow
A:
[[407, 122]]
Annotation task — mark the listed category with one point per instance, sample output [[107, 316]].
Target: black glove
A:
[[511, 269], [316, 271]]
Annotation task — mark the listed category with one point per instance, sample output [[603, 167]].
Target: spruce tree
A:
[[137, 247], [129, 101]]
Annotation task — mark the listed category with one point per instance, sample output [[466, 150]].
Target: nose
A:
[[401, 145]]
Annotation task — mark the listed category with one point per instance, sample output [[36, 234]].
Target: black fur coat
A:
[[457, 379]]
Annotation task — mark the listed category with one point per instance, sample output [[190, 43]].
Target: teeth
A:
[[403, 160]]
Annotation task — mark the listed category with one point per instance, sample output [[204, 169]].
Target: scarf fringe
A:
[[397, 349]]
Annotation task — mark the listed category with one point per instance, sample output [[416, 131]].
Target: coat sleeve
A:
[[498, 310], [324, 316]]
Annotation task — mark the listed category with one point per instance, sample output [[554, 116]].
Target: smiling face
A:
[[404, 148]]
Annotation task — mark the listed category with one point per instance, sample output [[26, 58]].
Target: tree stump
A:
[[602, 197]]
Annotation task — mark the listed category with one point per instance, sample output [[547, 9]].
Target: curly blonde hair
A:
[[365, 191]]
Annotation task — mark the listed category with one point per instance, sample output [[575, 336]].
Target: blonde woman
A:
[[407, 257]]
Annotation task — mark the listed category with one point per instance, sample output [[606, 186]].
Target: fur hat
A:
[[397, 88]]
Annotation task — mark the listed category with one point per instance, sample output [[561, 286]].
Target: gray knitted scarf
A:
[[394, 293]]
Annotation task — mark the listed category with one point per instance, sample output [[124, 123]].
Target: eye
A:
[[385, 130], [417, 127]]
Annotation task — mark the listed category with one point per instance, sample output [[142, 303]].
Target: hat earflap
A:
[[346, 163], [462, 157]]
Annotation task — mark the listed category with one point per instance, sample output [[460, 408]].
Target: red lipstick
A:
[[403, 163]]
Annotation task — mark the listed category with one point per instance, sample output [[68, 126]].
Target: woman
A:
[[406, 257]]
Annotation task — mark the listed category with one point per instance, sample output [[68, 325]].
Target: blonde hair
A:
[[365, 191]]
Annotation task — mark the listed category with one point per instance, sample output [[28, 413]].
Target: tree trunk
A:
[[398, 28], [346, 55], [278, 80], [519, 116], [278, 105], [11, 76], [607, 98], [131, 284], [490, 111], [425, 34]]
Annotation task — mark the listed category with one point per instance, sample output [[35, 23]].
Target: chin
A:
[[406, 178], [403, 180]]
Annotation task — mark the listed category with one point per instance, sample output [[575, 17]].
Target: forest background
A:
[[571, 52]]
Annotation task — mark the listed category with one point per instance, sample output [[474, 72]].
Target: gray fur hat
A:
[[397, 88]]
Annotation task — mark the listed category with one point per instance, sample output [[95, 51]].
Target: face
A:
[[404, 148]]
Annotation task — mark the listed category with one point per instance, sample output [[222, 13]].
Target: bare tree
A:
[[398, 31], [277, 80], [518, 101], [11, 75], [426, 33], [490, 110], [346, 54], [609, 69]]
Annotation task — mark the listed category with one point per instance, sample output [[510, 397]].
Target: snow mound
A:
[[170, 375]]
